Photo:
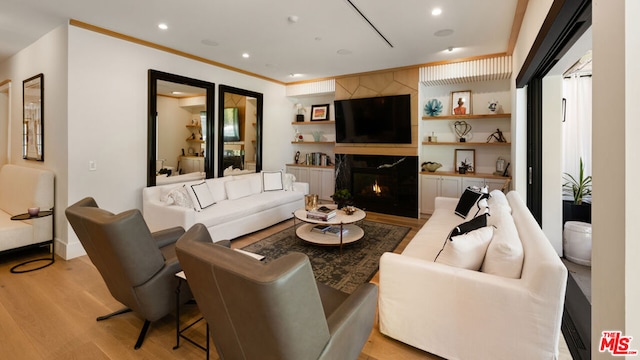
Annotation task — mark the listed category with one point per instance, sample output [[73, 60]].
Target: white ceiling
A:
[[221, 30]]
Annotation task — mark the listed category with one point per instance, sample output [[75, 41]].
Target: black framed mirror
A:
[[239, 131], [33, 118], [180, 126]]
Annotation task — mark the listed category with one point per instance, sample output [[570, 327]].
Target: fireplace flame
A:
[[376, 188]]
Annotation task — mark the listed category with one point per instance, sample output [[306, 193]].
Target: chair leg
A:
[[143, 333], [121, 311]]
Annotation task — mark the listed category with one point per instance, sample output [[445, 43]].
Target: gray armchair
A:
[[274, 310], [137, 266]]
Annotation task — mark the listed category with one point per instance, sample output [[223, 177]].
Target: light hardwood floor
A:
[[50, 314]]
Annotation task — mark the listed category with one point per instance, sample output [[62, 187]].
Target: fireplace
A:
[[380, 183]]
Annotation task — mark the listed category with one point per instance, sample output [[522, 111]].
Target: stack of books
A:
[[322, 213], [329, 230]]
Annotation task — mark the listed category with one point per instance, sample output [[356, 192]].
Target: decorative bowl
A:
[[349, 210], [431, 166]]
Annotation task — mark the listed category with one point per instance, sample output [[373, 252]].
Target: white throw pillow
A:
[[467, 251], [255, 181], [237, 189], [505, 254], [481, 207], [272, 181], [200, 196], [180, 197], [287, 181], [498, 199], [216, 186]]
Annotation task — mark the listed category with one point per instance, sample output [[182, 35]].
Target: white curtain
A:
[[576, 128]]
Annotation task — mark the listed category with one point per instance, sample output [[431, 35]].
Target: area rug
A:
[[356, 265]]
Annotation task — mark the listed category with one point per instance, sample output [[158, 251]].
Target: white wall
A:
[[108, 115], [533, 19], [615, 213], [47, 55]]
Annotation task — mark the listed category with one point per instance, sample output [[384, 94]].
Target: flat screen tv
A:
[[379, 120]]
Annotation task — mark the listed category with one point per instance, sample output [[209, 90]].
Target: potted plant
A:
[[341, 197], [578, 188]]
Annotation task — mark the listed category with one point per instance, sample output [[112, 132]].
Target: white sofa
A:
[[21, 188], [241, 204], [459, 313]]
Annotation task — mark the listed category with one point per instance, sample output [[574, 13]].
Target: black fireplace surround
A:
[[380, 183]]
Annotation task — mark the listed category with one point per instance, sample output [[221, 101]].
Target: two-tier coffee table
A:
[[344, 221]]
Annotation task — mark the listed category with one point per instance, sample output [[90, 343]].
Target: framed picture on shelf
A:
[[465, 161], [461, 102], [320, 112]]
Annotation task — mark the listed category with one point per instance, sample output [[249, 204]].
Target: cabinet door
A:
[[450, 186], [327, 183], [315, 182], [429, 189], [494, 184], [477, 182], [301, 173]]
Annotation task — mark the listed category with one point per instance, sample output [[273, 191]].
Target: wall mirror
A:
[[33, 118], [180, 128], [239, 131]]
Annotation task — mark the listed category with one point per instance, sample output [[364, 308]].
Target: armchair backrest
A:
[[255, 310], [119, 245]]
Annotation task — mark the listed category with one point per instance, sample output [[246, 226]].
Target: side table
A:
[[50, 260], [182, 278]]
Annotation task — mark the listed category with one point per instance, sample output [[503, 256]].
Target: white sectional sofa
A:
[[511, 308], [229, 206]]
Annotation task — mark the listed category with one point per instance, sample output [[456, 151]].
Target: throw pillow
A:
[[201, 196], [467, 251], [466, 202], [216, 186], [473, 224], [498, 199], [255, 181], [505, 254], [272, 180], [237, 189], [481, 208], [287, 181], [180, 197]]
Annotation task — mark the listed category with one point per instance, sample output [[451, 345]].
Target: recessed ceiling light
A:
[[443, 32], [436, 11], [245, 55], [163, 26], [293, 19], [295, 75], [344, 52], [177, 92]]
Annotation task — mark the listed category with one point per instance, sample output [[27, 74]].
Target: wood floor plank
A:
[[51, 313]]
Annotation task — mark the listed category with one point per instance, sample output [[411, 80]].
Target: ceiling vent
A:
[[496, 68]]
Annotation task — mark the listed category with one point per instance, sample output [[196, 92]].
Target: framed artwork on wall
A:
[[465, 161], [320, 112], [33, 118], [461, 102]]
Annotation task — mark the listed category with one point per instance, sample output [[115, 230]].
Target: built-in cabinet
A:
[[321, 179], [433, 185], [190, 164]]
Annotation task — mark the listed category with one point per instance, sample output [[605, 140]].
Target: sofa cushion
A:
[[505, 253], [255, 181], [497, 199], [468, 199], [217, 188], [466, 251], [200, 196], [272, 180], [237, 189], [230, 210]]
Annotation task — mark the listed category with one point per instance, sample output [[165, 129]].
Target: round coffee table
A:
[[342, 220]]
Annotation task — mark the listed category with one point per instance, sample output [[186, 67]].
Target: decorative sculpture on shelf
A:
[[497, 136], [462, 129]]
